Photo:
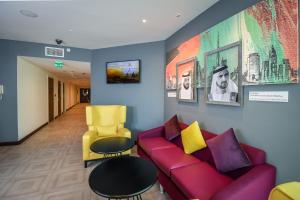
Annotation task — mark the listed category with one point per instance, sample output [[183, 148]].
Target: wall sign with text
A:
[[271, 96]]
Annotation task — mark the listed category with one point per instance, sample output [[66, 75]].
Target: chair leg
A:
[[85, 164]]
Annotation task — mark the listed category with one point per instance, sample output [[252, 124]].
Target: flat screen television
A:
[[123, 71]]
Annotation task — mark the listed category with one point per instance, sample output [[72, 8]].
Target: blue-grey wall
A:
[[145, 100], [274, 127], [9, 50]]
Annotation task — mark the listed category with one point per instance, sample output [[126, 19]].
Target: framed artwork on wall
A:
[[186, 77], [223, 75], [186, 50]]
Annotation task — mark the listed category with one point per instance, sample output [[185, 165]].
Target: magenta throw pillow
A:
[[227, 153], [172, 128]]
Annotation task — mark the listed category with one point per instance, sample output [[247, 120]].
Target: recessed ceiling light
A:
[[70, 30], [144, 21], [28, 13]]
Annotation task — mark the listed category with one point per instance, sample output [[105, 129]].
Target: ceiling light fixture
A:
[[144, 21], [28, 13], [70, 30]]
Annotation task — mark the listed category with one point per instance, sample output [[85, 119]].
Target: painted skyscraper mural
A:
[[270, 40], [268, 32]]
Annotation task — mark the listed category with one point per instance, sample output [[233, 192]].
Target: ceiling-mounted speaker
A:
[[55, 52]]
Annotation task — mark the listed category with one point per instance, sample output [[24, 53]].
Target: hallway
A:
[[49, 166]]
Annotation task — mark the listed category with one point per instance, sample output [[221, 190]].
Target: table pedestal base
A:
[[138, 197]]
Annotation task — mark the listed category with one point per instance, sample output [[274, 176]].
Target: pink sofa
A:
[[195, 177]]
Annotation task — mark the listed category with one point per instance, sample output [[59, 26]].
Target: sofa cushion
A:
[[192, 138], [199, 181], [203, 154], [227, 152], [172, 128], [170, 158], [150, 144]]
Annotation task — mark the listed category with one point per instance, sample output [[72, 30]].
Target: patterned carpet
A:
[[48, 166]]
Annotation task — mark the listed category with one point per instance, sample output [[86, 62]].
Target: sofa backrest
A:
[[257, 156]]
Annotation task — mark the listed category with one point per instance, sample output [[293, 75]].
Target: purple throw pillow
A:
[[172, 128], [227, 152]]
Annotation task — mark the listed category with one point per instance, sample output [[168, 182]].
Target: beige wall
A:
[[33, 96], [71, 95]]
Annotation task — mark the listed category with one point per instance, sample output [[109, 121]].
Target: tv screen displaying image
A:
[[123, 71]]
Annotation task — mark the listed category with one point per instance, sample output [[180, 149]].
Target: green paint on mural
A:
[[263, 56], [262, 41], [220, 35], [256, 37], [272, 8]]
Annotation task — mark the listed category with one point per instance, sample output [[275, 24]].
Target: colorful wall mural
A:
[[186, 50], [268, 31]]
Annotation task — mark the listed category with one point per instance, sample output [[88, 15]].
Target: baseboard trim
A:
[[23, 139]]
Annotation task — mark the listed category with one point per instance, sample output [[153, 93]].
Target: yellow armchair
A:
[[286, 191], [103, 121]]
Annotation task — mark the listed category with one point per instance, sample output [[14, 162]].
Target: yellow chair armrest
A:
[[290, 190], [87, 139], [124, 132]]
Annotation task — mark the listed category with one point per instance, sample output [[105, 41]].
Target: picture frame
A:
[[186, 80], [223, 75]]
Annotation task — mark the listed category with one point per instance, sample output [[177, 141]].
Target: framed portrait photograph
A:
[[186, 76], [223, 71]]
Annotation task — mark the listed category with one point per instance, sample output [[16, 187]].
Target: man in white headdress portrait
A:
[[222, 87], [186, 91]]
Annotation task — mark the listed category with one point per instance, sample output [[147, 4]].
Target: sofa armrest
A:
[[87, 139], [155, 132], [256, 184], [124, 132]]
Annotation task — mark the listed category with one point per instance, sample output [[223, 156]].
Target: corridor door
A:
[[51, 98], [59, 98]]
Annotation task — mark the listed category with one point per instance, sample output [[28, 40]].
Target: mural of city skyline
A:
[[268, 32]]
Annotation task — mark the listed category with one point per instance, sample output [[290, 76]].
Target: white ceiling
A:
[[97, 23], [75, 72]]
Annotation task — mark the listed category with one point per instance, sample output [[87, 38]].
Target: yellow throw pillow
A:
[[192, 138]]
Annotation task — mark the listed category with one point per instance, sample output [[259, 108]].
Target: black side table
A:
[[123, 177], [112, 146]]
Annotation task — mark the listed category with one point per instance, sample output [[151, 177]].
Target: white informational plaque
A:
[[272, 96], [172, 94]]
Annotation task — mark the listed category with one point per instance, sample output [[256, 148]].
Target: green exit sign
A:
[[58, 64]]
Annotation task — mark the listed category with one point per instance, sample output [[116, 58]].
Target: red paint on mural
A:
[[186, 50], [285, 25], [287, 14]]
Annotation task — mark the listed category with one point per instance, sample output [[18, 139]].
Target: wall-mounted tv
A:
[[123, 71]]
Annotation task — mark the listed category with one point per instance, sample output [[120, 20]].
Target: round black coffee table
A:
[[123, 177], [112, 146]]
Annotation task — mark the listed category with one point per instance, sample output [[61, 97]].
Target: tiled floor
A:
[[48, 166]]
